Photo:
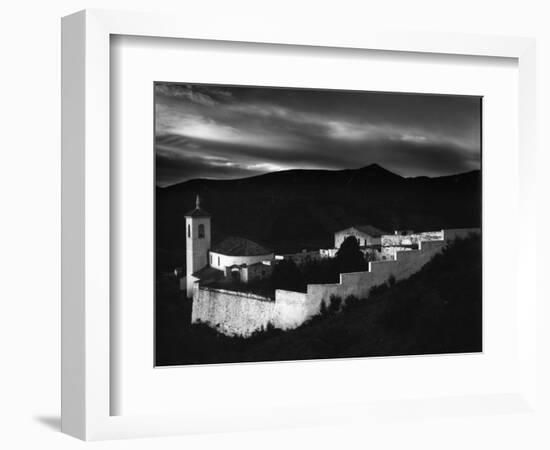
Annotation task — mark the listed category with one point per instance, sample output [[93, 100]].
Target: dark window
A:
[[218, 260], [188, 230], [201, 231]]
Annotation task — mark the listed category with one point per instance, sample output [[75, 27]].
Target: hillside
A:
[[296, 209], [437, 310]]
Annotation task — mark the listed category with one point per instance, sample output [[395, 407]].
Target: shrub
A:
[[351, 302], [349, 257], [323, 310], [335, 304], [377, 290]]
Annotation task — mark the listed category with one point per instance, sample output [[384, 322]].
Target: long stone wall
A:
[[359, 284], [241, 313], [231, 313], [290, 309]]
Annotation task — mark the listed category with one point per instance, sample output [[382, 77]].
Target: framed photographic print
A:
[[252, 216]]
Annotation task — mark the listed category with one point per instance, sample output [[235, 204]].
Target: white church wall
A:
[[197, 246], [220, 261], [362, 238]]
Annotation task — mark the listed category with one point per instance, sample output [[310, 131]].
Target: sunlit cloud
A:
[[267, 167], [353, 131], [413, 138]]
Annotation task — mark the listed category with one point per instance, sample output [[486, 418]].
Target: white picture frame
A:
[[86, 326]]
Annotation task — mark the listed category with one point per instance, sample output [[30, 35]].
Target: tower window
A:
[[201, 231], [218, 261], [188, 230]]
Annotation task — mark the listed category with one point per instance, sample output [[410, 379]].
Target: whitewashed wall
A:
[[220, 261], [231, 313], [362, 238], [359, 284]]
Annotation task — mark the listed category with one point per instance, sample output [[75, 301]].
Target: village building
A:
[[236, 258], [366, 235]]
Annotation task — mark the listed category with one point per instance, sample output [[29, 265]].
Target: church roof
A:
[[198, 211], [238, 246], [370, 230]]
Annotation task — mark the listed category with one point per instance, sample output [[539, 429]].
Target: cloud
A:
[[230, 132], [209, 130], [171, 169], [413, 138]]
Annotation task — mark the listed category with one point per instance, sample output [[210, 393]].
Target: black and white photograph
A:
[[302, 224]]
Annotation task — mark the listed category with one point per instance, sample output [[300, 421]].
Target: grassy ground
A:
[[438, 310]]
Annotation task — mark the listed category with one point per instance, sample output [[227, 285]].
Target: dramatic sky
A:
[[233, 132]]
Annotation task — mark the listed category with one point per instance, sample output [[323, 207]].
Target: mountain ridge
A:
[[373, 169]]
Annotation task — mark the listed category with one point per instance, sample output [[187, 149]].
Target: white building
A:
[[366, 235], [233, 256], [236, 251]]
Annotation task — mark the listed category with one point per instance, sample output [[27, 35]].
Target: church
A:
[[234, 258]]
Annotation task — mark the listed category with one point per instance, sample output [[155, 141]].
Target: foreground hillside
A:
[[438, 310], [296, 209]]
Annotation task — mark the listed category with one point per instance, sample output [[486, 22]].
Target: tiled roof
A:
[[238, 246], [370, 230]]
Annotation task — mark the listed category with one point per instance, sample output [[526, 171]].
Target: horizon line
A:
[[323, 170]]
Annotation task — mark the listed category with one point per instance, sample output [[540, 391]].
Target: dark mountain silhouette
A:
[[296, 209]]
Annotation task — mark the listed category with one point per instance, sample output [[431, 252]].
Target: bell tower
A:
[[197, 240]]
